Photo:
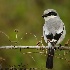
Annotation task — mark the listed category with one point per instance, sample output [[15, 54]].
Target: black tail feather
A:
[[49, 62]]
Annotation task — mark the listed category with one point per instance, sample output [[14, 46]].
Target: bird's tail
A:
[[49, 62]]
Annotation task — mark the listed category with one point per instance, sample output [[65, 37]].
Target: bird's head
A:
[[49, 13]]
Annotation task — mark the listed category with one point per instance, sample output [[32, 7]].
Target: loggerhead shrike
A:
[[53, 32]]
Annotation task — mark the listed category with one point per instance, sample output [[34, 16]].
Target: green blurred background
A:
[[26, 16]]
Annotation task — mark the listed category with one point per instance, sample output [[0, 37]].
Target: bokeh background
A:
[[26, 16]]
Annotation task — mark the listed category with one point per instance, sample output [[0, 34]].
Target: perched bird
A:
[[53, 32]]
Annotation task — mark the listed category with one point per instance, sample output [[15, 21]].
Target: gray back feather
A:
[[53, 25]]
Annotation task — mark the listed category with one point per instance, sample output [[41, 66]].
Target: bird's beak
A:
[[43, 15]]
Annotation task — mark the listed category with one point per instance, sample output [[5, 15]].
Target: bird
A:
[[53, 32]]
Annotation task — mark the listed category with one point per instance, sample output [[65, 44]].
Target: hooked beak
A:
[[43, 15]]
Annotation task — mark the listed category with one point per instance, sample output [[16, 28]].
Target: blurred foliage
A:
[[25, 15]]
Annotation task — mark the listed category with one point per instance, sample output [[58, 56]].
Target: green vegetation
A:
[[26, 16]]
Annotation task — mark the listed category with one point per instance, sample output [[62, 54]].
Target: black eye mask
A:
[[50, 13]]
